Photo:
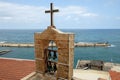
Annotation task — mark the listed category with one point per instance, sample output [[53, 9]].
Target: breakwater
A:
[[78, 44], [4, 51], [16, 45], [88, 44]]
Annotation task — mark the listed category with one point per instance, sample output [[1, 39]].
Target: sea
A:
[[107, 54]]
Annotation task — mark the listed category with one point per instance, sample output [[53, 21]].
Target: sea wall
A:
[[88, 44], [79, 44], [16, 45]]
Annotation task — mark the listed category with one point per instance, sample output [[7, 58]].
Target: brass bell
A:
[[54, 55]]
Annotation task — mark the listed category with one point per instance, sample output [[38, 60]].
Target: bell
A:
[[54, 67], [54, 55], [49, 66], [49, 54]]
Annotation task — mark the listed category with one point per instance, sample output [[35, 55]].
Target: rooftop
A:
[[114, 75], [15, 69], [90, 74]]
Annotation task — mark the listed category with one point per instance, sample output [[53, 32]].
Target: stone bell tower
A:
[[54, 51]]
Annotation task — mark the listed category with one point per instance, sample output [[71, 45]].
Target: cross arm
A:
[[52, 11]]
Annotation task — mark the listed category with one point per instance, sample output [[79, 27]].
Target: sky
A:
[[73, 14]]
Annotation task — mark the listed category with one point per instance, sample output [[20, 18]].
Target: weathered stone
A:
[[65, 47], [40, 66]]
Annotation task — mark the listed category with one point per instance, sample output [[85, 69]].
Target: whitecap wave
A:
[[112, 45], [3, 42]]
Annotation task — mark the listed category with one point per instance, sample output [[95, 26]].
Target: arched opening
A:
[[51, 57]]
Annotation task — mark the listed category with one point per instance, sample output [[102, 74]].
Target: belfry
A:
[[54, 52]]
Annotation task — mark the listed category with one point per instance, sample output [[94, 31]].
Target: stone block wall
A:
[[65, 45]]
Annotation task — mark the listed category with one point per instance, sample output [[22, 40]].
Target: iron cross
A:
[[51, 11]]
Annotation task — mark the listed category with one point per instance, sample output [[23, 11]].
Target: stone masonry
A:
[[65, 45]]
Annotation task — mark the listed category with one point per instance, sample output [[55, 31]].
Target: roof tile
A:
[[15, 69], [114, 75]]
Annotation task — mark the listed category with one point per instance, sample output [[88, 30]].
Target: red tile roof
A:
[[114, 75], [13, 69]]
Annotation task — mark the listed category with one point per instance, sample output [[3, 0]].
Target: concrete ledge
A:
[[28, 76], [17, 59], [90, 74]]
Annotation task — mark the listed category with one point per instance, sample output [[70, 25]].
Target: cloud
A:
[[12, 13], [90, 14], [23, 13], [32, 12], [5, 18], [75, 13], [76, 10]]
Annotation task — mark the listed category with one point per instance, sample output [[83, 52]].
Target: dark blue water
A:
[[89, 53]]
